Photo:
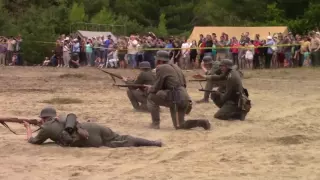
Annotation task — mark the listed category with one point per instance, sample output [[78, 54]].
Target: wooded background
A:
[[44, 20]]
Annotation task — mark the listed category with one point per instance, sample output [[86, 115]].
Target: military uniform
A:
[[169, 90], [210, 84], [228, 102], [55, 129], [136, 95]]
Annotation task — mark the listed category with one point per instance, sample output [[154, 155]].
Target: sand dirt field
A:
[[280, 139]]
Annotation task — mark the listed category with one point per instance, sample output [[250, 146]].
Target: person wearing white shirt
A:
[[185, 55]]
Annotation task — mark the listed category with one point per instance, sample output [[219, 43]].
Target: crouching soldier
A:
[[210, 67], [234, 102], [67, 131], [138, 96]]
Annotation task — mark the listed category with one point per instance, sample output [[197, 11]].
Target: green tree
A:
[[162, 28], [77, 13]]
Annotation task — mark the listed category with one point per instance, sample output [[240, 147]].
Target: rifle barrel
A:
[[111, 74], [130, 85], [17, 120], [207, 90], [197, 80]]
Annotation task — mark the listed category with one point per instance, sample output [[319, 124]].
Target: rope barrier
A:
[[197, 48]]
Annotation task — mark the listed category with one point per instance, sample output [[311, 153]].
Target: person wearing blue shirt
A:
[[270, 42]]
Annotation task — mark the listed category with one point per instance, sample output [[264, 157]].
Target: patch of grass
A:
[[76, 75], [63, 101]]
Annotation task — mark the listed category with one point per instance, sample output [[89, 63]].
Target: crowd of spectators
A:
[[273, 51], [10, 51]]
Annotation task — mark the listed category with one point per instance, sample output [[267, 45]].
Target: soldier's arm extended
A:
[[40, 138], [216, 77], [231, 88], [158, 84]]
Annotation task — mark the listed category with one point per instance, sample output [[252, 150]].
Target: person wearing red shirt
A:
[[235, 50], [257, 43]]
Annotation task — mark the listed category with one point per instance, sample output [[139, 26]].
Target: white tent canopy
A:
[[91, 34]]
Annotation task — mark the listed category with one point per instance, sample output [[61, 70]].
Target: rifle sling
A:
[[6, 125]]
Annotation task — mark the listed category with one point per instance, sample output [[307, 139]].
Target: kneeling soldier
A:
[[169, 90]]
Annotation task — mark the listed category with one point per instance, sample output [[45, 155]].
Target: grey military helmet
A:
[[226, 62], [163, 56], [144, 65], [207, 60], [48, 112]]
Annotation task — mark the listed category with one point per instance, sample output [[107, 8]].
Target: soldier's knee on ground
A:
[[221, 116], [129, 93]]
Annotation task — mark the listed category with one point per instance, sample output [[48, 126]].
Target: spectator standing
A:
[[270, 42], [121, 53], [193, 54], [209, 44], [89, 53], [200, 40], [257, 52], [235, 51], [287, 49], [185, 57], [148, 52], [214, 49], [11, 48], [75, 51], [96, 49], [3, 51], [221, 49], [66, 52], [82, 54], [304, 50], [58, 53], [315, 49], [18, 50], [201, 50], [132, 51], [176, 52]]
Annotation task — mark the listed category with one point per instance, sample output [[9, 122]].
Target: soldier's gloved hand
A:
[[124, 79], [198, 76]]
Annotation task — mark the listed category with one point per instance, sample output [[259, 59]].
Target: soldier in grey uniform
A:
[[169, 90], [229, 102], [211, 68], [66, 131], [138, 96]]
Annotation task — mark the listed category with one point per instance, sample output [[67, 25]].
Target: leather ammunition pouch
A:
[[244, 102], [72, 131]]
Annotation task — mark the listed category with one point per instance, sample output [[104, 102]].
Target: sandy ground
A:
[[279, 139]]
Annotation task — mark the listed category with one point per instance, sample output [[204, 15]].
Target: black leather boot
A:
[[189, 124]]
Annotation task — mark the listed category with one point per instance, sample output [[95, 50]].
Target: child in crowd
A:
[[14, 60], [46, 61]]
